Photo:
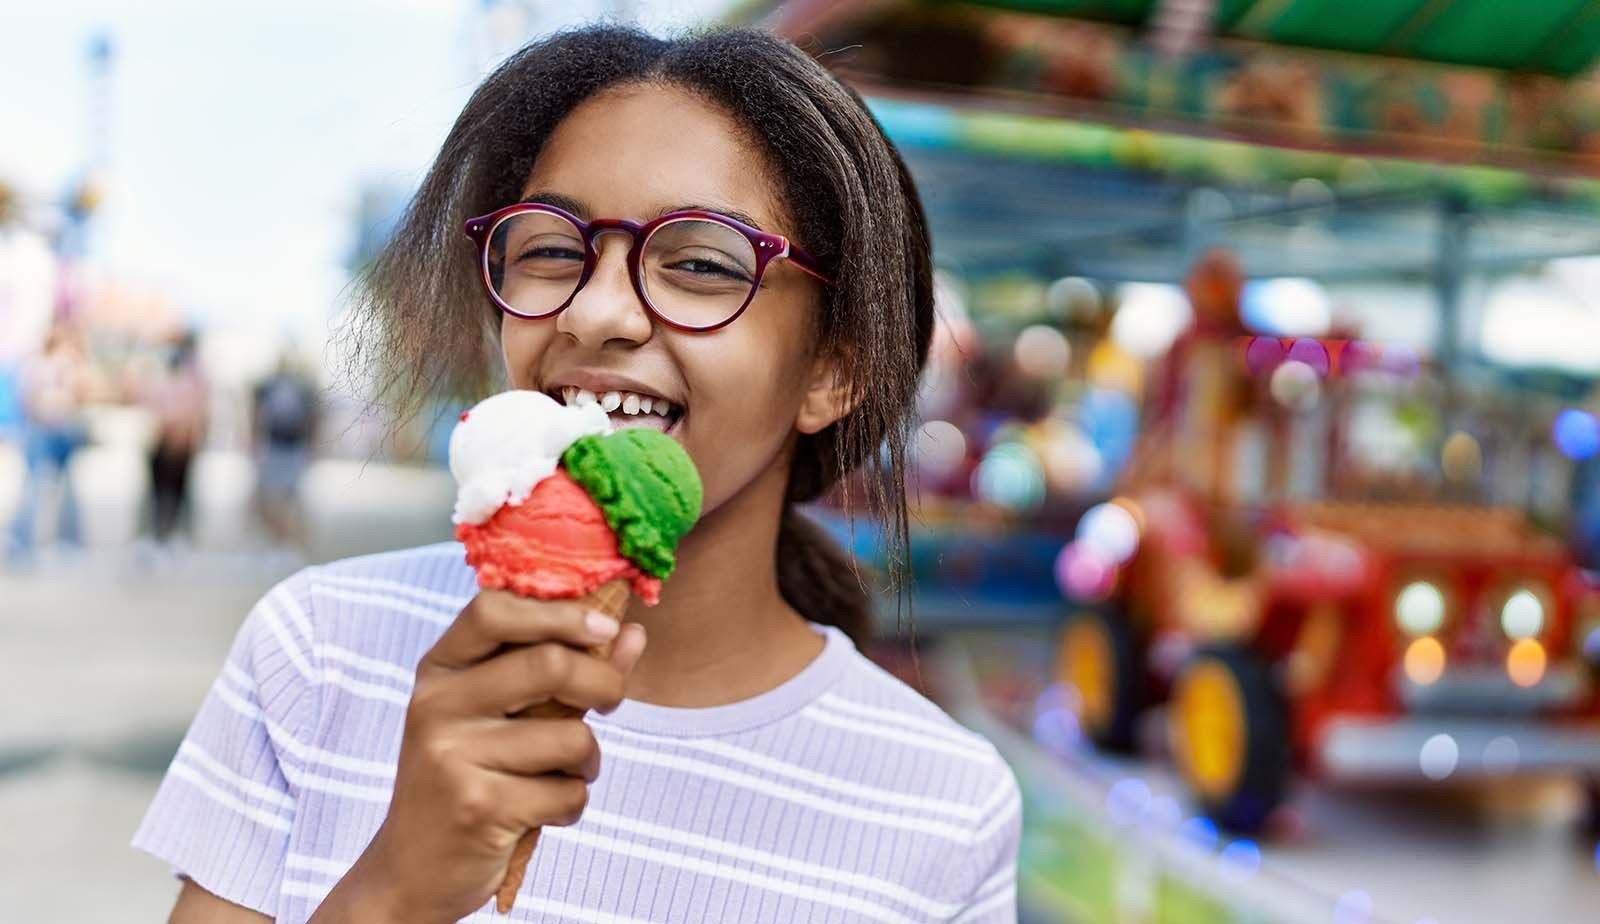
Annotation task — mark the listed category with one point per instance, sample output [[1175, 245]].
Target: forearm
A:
[[361, 897]]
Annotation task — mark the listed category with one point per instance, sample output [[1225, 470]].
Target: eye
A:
[[711, 266], [550, 252]]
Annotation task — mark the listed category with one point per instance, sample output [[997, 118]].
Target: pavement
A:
[[104, 658], [106, 653]]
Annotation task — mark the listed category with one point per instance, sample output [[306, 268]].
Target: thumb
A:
[[627, 648]]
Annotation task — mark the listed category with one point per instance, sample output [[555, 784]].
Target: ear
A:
[[827, 398]]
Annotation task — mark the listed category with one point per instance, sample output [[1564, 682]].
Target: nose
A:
[[607, 308]]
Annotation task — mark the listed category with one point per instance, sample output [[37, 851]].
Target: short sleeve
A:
[[224, 810], [993, 900]]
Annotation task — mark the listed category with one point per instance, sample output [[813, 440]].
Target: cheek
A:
[[522, 347], [746, 387]]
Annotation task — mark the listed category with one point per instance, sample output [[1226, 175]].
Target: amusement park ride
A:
[[1300, 609]]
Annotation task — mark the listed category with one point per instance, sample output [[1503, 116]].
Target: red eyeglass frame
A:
[[768, 247]]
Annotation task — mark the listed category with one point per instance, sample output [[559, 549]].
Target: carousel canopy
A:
[[1559, 37]]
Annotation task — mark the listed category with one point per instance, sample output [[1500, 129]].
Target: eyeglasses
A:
[[696, 271]]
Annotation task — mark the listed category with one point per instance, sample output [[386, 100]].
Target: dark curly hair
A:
[[421, 321]]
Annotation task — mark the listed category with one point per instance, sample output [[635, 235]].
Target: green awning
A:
[[1560, 37]]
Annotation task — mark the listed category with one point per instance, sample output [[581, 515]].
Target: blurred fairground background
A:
[[1258, 514]]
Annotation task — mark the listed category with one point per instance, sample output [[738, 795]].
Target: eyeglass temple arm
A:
[[806, 264]]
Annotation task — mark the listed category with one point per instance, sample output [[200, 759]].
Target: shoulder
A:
[[869, 701], [867, 692], [951, 769], [440, 566], [429, 583], [389, 605]]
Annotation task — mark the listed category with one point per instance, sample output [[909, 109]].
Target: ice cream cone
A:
[[552, 505], [612, 599]]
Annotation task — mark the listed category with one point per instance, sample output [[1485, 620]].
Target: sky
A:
[[241, 134]]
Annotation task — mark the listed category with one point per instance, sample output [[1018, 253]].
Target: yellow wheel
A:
[[1097, 660], [1227, 731], [1208, 729]]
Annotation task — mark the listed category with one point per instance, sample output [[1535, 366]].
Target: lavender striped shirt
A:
[[840, 795]]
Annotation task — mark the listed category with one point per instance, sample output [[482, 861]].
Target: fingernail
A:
[[602, 626]]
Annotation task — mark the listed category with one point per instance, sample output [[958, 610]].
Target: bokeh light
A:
[[1400, 360], [1053, 695], [1041, 352], [1240, 859], [1056, 730], [1439, 756], [1424, 660], [1296, 386], [1591, 644], [1200, 831], [1353, 907], [1084, 574], [1111, 530], [1150, 316], [939, 448], [1128, 801], [1072, 464], [1359, 356], [1525, 663], [1419, 608], [1523, 615], [1010, 477], [1311, 352], [1288, 306], [1576, 434], [1461, 458], [1263, 354], [1501, 756], [1074, 298], [1164, 812]]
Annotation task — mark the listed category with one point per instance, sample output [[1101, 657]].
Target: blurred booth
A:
[[1258, 458]]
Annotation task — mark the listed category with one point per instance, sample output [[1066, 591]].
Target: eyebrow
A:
[[578, 208]]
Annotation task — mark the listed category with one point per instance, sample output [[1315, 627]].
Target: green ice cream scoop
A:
[[647, 488]]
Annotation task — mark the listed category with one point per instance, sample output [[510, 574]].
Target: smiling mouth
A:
[[626, 408]]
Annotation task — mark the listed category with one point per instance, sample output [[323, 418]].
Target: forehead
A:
[[639, 150]]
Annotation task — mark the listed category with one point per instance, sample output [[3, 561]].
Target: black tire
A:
[[1591, 814], [1261, 778], [1113, 729]]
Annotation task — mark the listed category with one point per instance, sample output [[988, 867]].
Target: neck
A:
[[722, 631]]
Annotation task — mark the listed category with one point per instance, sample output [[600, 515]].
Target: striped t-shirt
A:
[[839, 795]]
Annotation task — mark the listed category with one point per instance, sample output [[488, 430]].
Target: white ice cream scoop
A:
[[508, 443]]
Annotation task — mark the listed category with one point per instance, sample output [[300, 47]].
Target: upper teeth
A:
[[630, 403]]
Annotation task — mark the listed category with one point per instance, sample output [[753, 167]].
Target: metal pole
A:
[[1450, 264]]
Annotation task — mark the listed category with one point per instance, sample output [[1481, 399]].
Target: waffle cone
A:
[[612, 599]]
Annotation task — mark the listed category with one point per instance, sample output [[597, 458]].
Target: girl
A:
[[361, 758]]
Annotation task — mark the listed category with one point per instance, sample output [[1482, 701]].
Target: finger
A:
[[534, 747], [520, 677], [625, 651], [496, 618], [537, 802]]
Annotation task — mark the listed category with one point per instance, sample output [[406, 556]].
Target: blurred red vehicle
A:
[[1314, 591]]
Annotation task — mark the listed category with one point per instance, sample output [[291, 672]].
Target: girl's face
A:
[[740, 394]]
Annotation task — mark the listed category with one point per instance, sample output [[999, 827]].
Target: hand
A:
[[474, 776]]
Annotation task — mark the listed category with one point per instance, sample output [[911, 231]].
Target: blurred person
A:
[[394, 784], [178, 400], [285, 419], [13, 461], [55, 384]]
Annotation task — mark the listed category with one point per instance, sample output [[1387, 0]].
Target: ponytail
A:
[[820, 579]]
